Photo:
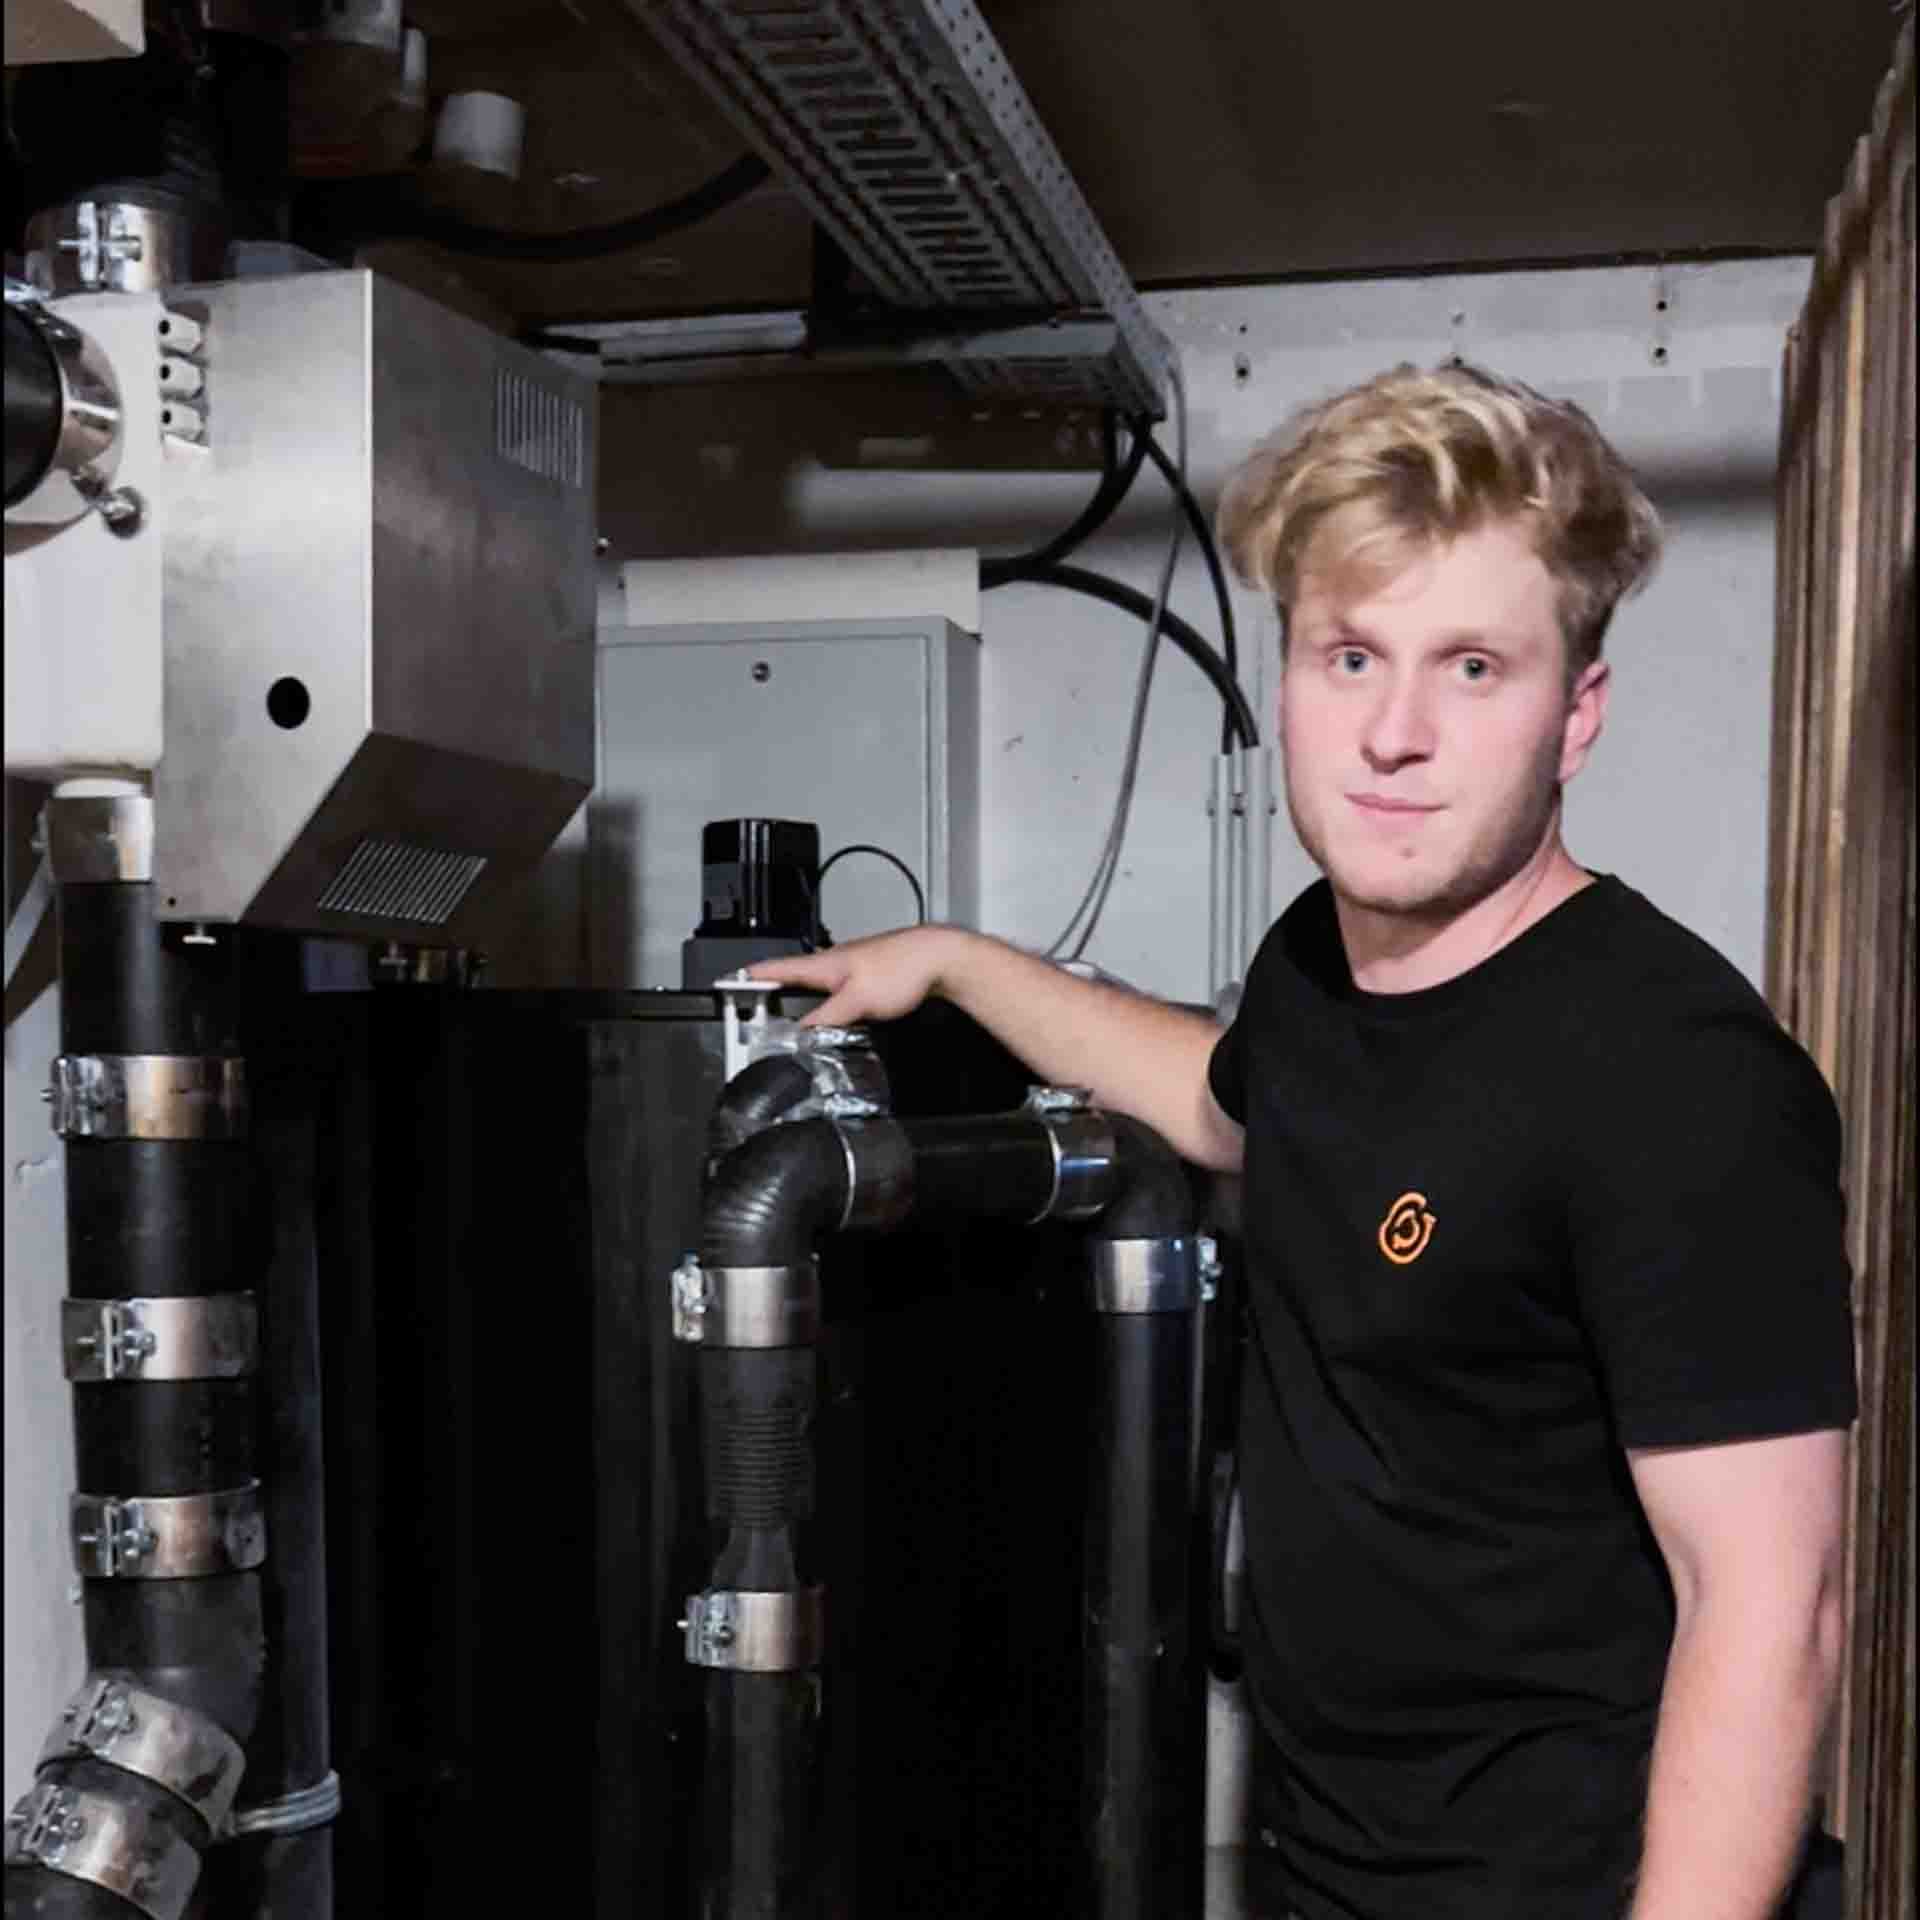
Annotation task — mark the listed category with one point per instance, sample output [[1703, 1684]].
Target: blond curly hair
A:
[[1357, 484]]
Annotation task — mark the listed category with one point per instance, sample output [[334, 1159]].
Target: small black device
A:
[[761, 881]]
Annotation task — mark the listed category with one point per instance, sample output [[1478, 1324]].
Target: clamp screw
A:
[[1058, 1099], [834, 1040], [1210, 1267], [122, 510]]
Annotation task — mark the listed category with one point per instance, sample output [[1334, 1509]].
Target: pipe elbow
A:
[[772, 1194], [756, 1098], [1153, 1195]]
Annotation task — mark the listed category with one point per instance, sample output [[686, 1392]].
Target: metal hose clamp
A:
[[179, 1536], [100, 837], [149, 1096], [1083, 1151], [1146, 1276], [756, 1632], [848, 1076], [213, 1336], [746, 1306], [89, 1836], [193, 1757]]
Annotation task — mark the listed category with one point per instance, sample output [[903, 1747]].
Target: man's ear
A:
[[1586, 716]]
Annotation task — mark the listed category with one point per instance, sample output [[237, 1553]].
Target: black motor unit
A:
[[761, 882]]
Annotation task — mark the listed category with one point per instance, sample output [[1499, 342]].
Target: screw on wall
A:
[[1660, 351], [1456, 336]]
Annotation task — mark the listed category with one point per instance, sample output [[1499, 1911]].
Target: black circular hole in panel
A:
[[288, 702]]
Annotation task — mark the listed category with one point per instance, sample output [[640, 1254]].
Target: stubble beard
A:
[[1497, 853]]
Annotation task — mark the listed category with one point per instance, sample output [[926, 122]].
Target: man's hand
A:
[[881, 978]]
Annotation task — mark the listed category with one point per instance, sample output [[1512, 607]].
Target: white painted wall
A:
[[1676, 801]]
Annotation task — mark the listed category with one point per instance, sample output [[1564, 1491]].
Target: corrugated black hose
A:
[[756, 1098]]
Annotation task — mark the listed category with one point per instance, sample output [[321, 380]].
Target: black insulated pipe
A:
[[996, 1166], [757, 1097], [163, 1219], [1143, 1795], [1143, 1798], [770, 1197], [766, 1203]]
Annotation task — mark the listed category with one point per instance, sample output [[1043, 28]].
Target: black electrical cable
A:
[[1130, 600], [590, 243], [1116, 480], [1229, 635], [879, 853]]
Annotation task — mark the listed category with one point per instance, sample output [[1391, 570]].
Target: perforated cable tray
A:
[[903, 128]]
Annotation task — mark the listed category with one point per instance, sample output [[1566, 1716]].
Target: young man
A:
[[1543, 1434]]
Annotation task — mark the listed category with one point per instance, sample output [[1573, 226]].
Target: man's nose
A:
[[1399, 728]]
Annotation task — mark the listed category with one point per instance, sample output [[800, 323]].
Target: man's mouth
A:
[[1379, 803]]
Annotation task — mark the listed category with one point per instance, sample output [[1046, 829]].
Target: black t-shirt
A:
[[1581, 1198]]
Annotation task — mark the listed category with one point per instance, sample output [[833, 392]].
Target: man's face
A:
[[1428, 725]]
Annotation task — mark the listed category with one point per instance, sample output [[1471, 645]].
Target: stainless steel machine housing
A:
[[379, 583]]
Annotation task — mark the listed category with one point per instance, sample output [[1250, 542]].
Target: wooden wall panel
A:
[[1840, 962]]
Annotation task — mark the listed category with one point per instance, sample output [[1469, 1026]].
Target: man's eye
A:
[[1350, 660], [1476, 667]]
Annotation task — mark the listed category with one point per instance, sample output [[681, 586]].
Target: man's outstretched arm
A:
[[1751, 1535], [1137, 1056]]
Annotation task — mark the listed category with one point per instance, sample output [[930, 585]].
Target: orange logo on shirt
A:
[[1405, 1231]]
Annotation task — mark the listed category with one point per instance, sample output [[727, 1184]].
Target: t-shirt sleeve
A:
[[1227, 1071], [1708, 1236]]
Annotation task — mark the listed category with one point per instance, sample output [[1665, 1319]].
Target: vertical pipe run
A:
[[1141, 1784], [166, 1219], [760, 1824], [766, 1201]]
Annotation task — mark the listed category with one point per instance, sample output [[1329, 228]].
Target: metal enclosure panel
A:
[[83, 608], [869, 728], [266, 577], [394, 509], [483, 472]]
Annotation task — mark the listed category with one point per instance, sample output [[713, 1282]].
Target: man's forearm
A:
[[1136, 1055], [1741, 1716]]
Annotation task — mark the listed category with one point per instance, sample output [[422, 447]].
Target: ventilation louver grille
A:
[[387, 880], [543, 431]]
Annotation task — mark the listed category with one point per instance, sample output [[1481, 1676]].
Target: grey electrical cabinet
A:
[[869, 728]]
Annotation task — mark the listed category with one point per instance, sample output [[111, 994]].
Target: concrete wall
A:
[[1676, 800]]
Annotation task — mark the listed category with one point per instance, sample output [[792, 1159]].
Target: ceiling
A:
[[1220, 140]]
